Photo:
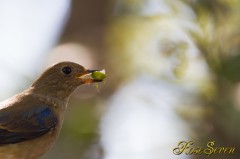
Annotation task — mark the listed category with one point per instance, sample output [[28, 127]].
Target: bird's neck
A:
[[52, 94]]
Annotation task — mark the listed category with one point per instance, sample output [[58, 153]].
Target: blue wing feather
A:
[[26, 125]]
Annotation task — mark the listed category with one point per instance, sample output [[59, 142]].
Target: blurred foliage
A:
[[230, 67], [220, 43]]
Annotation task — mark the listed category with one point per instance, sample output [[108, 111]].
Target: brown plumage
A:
[[31, 120]]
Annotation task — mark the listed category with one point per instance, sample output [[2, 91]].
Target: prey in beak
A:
[[92, 76]]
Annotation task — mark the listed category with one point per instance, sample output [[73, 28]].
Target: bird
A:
[[30, 121]]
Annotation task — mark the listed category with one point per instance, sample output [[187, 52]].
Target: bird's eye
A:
[[66, 70]]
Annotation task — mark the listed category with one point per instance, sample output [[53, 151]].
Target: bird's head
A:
[[61, 79]]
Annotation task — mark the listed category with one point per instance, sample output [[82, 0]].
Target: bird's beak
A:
[[85, 76]]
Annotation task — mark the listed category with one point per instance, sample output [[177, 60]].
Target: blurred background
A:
[[173, 72]]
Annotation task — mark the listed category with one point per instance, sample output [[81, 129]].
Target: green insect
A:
[[100, 75]]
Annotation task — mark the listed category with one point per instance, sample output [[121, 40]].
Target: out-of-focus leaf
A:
[[230, 69]]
